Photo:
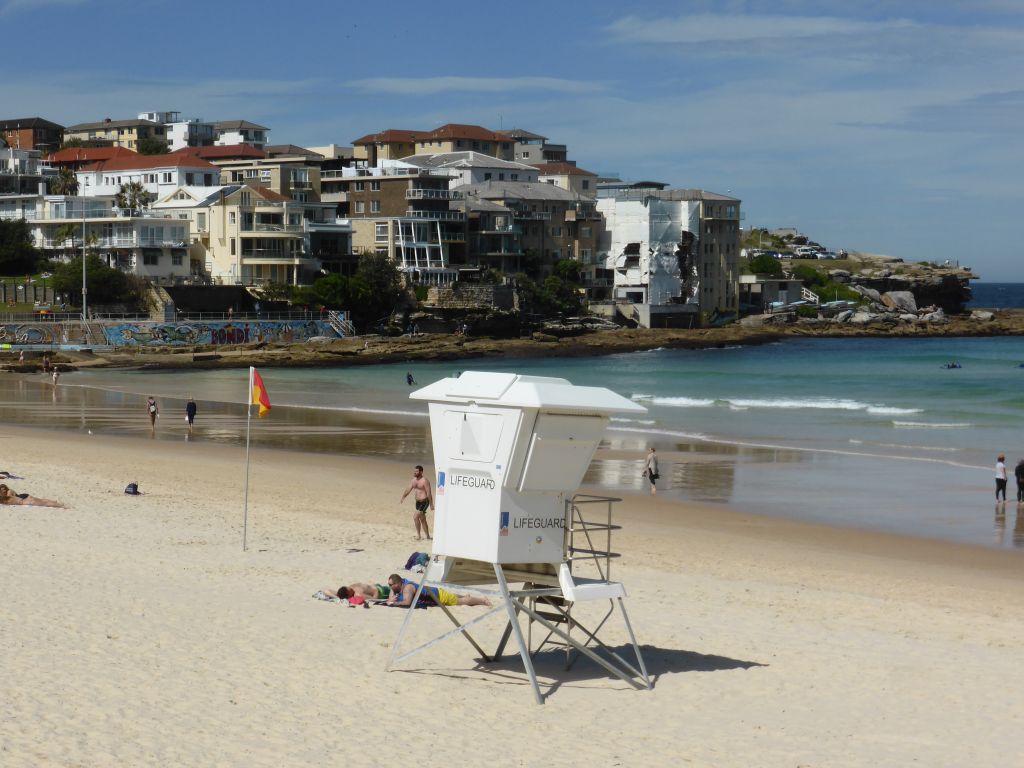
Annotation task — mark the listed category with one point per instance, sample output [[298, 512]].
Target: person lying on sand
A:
[[7, 496], [362, 589], [403, 591]]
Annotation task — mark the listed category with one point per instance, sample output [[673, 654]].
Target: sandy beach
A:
[[135, 631]]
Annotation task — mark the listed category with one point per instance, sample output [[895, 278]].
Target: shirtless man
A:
[[424, 500], [403, 591]]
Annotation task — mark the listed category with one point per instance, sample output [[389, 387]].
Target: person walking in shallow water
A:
[[651, 470], [1018, 473], [190, 412], [154, 412], [1001, 477]]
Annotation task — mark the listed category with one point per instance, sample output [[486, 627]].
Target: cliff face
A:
[[951, 292]]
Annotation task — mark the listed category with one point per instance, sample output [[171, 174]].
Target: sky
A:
[[889, 127]]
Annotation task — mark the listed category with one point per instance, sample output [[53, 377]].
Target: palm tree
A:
[[133, 195], [64, 183]]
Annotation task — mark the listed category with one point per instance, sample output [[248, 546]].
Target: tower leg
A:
[[524, 649]]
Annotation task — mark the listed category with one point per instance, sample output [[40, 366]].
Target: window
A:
[[375, 186], [381, 235], [585, 255], [487, 177], [232, 246], [585, 184], [201, 221], [231, 217], [501, 177], [514, 177], [150, 259], [176, 259], [360, 186], [556, 231], [167, 177], [360, 206], [190, 179], [585, 231], [208, 179], [375, 206]]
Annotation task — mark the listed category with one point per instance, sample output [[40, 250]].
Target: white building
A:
[[182, 133], [470, 167], [229, 132], [158, 174], [150, 245], [672, 252]]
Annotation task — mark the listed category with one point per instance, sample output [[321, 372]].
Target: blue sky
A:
[[888, 127]]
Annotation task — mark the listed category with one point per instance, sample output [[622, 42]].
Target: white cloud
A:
[[13, 6], [427, 86], [710, 28]]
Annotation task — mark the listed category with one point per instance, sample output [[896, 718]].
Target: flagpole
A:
[[248, 423]]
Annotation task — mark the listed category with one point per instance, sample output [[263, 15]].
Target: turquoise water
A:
[[870, 433]]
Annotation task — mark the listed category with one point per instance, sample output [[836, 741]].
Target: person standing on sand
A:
[[154, 412], [424, 500], [1001, 477], [651, 470], [1018, 473], [190, 412]]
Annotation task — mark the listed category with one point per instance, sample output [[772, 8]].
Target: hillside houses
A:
[[453, 203]]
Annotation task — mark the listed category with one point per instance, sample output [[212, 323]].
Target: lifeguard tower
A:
[[510, 452]]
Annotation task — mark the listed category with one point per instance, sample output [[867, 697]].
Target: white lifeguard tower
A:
[[510, 452]]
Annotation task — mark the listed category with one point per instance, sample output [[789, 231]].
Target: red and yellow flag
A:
[[258, 392]]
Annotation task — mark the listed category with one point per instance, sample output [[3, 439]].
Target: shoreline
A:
[[376, 350]]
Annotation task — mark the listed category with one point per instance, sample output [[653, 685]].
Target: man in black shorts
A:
[[424, 500]]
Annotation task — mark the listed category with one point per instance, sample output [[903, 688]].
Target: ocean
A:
[[867, 433], [996, 296]]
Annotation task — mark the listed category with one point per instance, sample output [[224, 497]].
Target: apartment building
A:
[[182, 133], [146, 243], [32, 133], [674, 253], [251, 235], [533, 148], [473, 167], [117, 133], [20, 171], [534, 227], [227, 132], [455, 137], [158, 174], [570, 177], [395, 144], [286, 169], [405, 212]]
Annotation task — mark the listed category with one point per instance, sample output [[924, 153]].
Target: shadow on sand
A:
[[552, 674]]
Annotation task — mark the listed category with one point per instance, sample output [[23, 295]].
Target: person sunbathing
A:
[[361, 589], [403, 591], [7, 496]]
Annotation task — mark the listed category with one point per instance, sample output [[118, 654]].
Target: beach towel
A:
[[417, 558], [321, 595]]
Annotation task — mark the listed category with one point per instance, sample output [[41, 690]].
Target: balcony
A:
[[501, 229], [432, 194], [272, 228], [412, 213], [303, 184], [532, 215]]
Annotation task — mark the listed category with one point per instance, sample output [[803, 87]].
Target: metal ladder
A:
[[581, 546]]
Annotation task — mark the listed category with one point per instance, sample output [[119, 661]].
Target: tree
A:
[[133, 195], [150, 145], [73, 142], [64, 183], [383, 285], [17, 254], [765, 265], [107, 285]]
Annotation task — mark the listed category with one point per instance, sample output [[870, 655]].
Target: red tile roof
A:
[[239, 151], [268, 194], [143, 162], [561, 169], [88, 154], [471, 132], [390, 136]]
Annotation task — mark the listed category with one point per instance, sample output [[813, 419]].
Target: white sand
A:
[[134, 631]]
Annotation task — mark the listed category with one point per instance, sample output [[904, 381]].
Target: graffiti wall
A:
[[33, 333], [221, 332]]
